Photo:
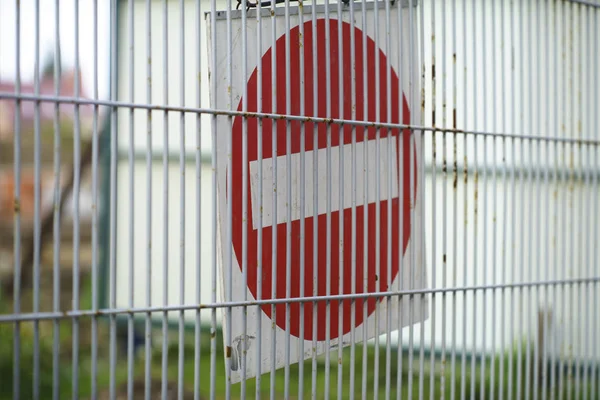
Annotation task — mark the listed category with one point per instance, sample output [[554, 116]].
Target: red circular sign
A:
[[280, 229]]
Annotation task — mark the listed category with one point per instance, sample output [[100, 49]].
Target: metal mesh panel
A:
[[205, 199]]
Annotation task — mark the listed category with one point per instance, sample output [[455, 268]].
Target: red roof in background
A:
[[47, 109]]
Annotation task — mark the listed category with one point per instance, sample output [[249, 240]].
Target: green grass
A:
[[189, 372]]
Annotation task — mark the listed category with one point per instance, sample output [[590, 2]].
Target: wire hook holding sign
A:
[[267, 3]]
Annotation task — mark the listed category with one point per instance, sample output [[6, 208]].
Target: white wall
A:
[[530, 72], [192, 85]]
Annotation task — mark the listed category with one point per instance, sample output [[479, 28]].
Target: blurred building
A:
[[26, 117], [66, 88]]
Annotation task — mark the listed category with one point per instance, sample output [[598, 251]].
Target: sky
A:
[[47, 29]]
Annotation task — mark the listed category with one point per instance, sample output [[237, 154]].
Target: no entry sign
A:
[[322, 261]]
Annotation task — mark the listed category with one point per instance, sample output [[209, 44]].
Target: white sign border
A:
[[420, 304]]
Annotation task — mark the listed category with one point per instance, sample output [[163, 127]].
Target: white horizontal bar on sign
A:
[[280, 190]]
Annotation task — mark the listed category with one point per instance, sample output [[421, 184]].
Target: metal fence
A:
[[389, 199]]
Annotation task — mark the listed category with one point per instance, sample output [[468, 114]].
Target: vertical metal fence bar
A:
[[199, 204], [274, 258], [493, 280], [521, 29], [454, 199], [529, 171], [433, 203], [544, 335], [504, 178], [538, 353], [389, 216], [562, 224], [587, 72], [569, 215], [411, 58], [36, 211], [596, 258], [229, 227], [528, 272], [329, 185], [113, 201], [585, 178], [552, 158], [553, 289], [444, 248], [274, 109], [165, 321], [149, 196], [574, 159], [354, 238], [259, 275], [341, 214], [182, 157], [422, 239], [365, 196], [513, 199], [376, 322], [484, 264], [17, 215], [213, 83], [557, 291], [401, 255], [95, 158], [473, 376], [377, 198], [580, 153], [586, 169], [130, 329], [245, 193], [316, 265], [596, 118], [75, 197], [536, 163], [288, 208], [419, 184], [463, 389], [302, 193], [56, 225]]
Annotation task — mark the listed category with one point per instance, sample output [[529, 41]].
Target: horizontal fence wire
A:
[[299, 199], [284, 300], [291, 117]]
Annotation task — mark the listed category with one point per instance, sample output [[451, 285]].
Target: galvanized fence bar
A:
[[501, 210], [132, 186], [199, 192], [56, 225], [149, 219], [95, 207], [36, 211], [182, 206], [113, 203]]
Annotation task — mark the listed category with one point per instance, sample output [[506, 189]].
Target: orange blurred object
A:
[[7, 195]]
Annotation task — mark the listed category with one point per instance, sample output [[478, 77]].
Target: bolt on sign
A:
[[317, 220]]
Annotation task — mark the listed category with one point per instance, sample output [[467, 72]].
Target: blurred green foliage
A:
[[26, 363]]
